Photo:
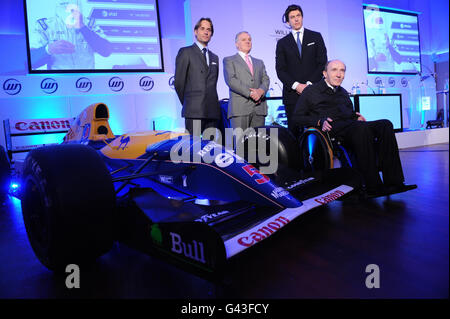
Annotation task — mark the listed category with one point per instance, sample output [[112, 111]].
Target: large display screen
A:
[[382, 106], [275, 111], [93, 36], [392, 40]]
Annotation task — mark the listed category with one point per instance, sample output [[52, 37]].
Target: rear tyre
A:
[[5, 173], [67, 205], [277, 142]]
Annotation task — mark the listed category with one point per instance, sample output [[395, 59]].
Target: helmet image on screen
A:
[[67, 40]]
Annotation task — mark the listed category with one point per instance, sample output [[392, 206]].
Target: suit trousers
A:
[[375, 147], [293, 127], [246, 121], [197, 126]]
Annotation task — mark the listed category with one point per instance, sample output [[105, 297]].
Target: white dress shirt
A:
[[294, 33], [200, 46]]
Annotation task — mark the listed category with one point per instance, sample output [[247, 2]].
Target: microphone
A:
[[366, 83], [423, 77]]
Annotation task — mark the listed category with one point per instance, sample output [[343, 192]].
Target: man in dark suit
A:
[[300, 59], [196, 73], [326, 105], [248, 82]]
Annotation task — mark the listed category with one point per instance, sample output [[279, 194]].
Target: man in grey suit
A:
[[196, 73], [248, 82]]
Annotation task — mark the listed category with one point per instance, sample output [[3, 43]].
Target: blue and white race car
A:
[[166, 193]]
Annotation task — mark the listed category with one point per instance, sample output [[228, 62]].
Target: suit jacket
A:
[[240, 80], [292, 68], [196, 83]]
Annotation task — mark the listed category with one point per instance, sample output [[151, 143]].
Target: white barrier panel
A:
[[36, 85]]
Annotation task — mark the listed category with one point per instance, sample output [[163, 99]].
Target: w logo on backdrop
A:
[[12, 86], [172, 82], [116, 84], [146, 83], [83, 85], [49, 85]]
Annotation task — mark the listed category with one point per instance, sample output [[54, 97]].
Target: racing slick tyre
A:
[[68, 205], [268, 139], [5, 173], [316, 151]]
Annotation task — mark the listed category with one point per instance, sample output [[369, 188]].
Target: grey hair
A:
[[237, 35], [334, 60]]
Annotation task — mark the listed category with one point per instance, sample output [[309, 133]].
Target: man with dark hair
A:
[[327, 105], [196, 73], [300, 58]]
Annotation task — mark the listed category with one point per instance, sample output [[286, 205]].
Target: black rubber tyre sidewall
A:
[[5, 172], [284, 141], [78, 200]]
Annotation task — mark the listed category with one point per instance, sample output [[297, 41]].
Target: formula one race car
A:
[[164, 193]]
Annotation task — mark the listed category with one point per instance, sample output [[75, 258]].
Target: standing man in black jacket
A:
[[196, 73], [300, 58]]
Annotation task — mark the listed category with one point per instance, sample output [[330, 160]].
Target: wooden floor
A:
[[322, 254]]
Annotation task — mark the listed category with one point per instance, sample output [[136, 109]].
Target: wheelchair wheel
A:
[[316, 152]]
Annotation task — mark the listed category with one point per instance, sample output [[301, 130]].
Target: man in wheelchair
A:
[[327, 106]]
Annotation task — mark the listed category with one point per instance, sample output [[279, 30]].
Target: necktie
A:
[[299, 44], [250, 66], [204, 55]]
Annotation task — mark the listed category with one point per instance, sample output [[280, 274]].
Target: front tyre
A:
[[67, 205]]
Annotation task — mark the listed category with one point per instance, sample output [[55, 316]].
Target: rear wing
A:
[[32, 127]]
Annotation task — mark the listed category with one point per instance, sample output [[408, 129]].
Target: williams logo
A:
[[12, 86], [404, 82], [116, 84], [83, 85], [172, 82], [378, 81], [391, 82], [278, 34], [49, 85], [146, 83]]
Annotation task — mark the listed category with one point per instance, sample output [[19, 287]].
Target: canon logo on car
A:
[[24, 125], [263, 232], [330, 197]]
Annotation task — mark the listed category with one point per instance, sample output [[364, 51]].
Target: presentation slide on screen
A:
[[392, 40], [97, 35]]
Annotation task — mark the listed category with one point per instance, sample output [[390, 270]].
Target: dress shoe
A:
[[372, 192], [388, 190], [400, 188]]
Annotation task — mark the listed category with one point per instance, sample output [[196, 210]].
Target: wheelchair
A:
[[319, 151], [313, 151]]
